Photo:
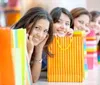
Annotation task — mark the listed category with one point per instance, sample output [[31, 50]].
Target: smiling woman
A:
[[81, 19], [38, 25], [62, 21]]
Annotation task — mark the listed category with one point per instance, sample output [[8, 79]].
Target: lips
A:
[[62, 31], [36, 38]]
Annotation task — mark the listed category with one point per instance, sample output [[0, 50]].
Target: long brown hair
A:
[[31, 17], [76, 12], [56, 13]]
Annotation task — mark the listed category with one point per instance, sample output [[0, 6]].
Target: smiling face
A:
[[97, 21], [97, 24], [81, 21], [62, 25], [40, 31]]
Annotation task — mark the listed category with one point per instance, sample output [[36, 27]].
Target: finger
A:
[[27, 40], [47, 37], [27, 36], [30, 38]]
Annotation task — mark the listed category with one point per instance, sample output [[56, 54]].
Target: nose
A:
[[63, 26], [40, 34]]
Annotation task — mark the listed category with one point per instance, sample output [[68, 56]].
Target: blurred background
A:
[[12, 10]]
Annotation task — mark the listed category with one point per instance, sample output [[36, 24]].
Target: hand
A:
[[86, 29], [94, 27], [69, 32], [30, 45], [41, 45]]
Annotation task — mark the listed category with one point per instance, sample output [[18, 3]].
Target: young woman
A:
[[62, 26], [62, 22], [81, 19], [38, 24], [95, 23]]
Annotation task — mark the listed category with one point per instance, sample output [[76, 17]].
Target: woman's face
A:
[[40, 31], [60, 28], [81, 22], [97, 21], [95, 25]]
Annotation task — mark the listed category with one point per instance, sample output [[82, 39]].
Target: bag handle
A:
[[58, 43]]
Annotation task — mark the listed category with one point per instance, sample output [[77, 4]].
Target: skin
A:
[[37, 40], [81, 23], [95, 25], [62, 27]]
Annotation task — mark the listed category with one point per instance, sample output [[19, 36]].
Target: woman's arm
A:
[[36, 66]]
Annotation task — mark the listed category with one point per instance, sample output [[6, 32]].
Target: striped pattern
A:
[[67, 65], [22, 70], [18, 66], [28, 77], [91, 50]]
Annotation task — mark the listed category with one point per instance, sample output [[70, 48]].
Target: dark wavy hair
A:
[[56, 13]]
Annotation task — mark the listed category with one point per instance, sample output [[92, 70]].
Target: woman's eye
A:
[[81, 22], [45, 31], [67, 24], [37, 28]]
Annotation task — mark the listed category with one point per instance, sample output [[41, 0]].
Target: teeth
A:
[[36, 36]]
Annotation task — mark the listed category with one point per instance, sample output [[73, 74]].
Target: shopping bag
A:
[[67, 64], [15, 42], [91, 50]]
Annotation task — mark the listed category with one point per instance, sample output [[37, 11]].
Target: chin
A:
[[61, 35], [35, 44]]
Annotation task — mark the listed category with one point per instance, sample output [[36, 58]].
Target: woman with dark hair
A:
[[95, 25], [81, 19], [38, 24], [62, 26], [62, 21]]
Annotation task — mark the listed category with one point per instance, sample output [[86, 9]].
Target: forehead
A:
[[84, 18], [64, 17], [43, 23]]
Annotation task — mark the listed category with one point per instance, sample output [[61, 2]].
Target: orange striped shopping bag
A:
[[67, 64]]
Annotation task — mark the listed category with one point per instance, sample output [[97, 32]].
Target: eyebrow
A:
[[41, 27], [65, 21], [81, 20]]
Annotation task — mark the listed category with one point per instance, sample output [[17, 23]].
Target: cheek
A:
[[68, 27], [56, 27], [99, 25], [76, 23], [33, 33], [43, 37]]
